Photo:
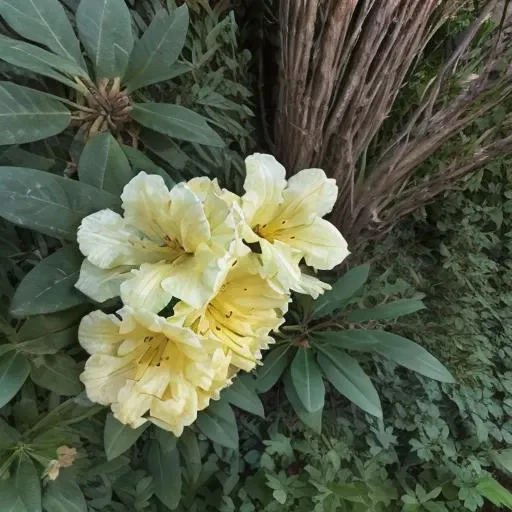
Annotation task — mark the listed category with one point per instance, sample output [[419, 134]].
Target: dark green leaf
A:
[[27, 115], [307, 380], [50, 286], [218, 422], [177, 122], [345, 374], [191, 456], [33, 58], [49, 343], [409, 354], [14, 370], [105, 29], [9, 498], [164, 467], [274, 365], [26, 481], [49, 204], [312, 419], [64, 495], [342, 290], [387, 311], [117, 438], [45, 22], [242, 394], [155, 53], [40, 326], [8, 435], [104, 165], [359, 340], [58, 373]]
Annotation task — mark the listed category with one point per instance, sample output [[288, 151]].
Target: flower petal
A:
[[99, 333], [264, 185], [131, 405], [101, 285], [310, 285], [107, 242], [280, 262], [321, 243], [146, 205], [143, 289]]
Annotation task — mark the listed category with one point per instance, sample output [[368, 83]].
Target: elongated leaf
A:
[[26, 481], [27, 115], [33, 58], [177, 122], [49, 343], [8, 435], [307, 380], [156, 51], [64, 495], [58, 373], [190, 454], [104, 165], [345, 374], [312, 419], [387, 311], [409, 354], [273, 367], [45, 22], [218, 423], [242, 394], [50, 286], [117, 438], [50, 204], [360, 340], [342, 290], [9, 498], [164, 467], [38, 327], [14, 370], [105, 29]]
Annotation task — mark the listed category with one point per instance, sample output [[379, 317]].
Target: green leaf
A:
[[49, 343], [273, 367], [218, 423], [409, 354], [105, 29], [387, 311], [242, 394], [342, 290], [40, 326], [45, 22], [64, 495], [359, 340], [14, 370], [33, 58], [164, 467], [27, 115], [156, 51], [190, 454], [26, 481], [307, 380], [104, 165], [177, 122], [58, 373], [118, 438], [9, 498], [50, 286], [495, 492], [8, 435], [312, 419], [503, 459], [47, 203], [345, 374]]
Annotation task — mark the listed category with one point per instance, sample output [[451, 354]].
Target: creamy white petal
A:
[[99, 333], [264, 185], [311, 286], [321, 243], [143, 289], [107, 242], [131, 405], [280, 262], [99, 284]]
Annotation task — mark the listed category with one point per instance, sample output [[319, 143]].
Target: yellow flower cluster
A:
[[190, 244]]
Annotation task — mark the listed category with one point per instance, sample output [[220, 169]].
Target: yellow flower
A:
[[168, 244], [241, 315], [286, 219], [147, 368]]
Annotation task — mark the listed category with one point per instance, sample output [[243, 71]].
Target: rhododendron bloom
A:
[[285, 217], [168, 244], [148, 368], [241, 315]]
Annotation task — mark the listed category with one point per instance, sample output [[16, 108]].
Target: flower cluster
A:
[[226, 262]]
